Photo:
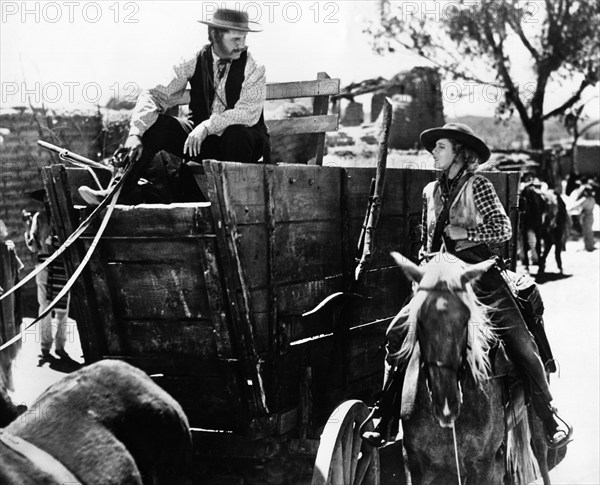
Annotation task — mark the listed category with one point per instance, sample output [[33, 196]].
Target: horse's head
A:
[[451, 328]]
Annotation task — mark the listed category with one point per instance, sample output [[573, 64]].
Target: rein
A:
[[442, 365], [41, 459]]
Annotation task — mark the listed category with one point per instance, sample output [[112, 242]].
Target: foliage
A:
[[486, 41]]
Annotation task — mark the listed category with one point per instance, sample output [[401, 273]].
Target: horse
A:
[[107, 423], [543, 214], [457, 426]]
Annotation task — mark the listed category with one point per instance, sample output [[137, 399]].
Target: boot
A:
[[558, 432], [385, 430], [387, 409], [92, 196]]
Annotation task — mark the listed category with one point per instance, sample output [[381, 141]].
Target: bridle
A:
[[458, 369]]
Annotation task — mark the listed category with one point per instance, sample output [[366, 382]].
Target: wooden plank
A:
[[158, 220], [306, 193], [170, 252], [320, 107], [303, 89], [296, 89], [270, 204], [229, 255], [307, 251], [254, 251], [159, 291], [168, 337], [247, 194], [103, 301], [386, 290], [221, 326], [318, 353], [305, 124]]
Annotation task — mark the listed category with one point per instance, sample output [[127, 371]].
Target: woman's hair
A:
[[467, 155]]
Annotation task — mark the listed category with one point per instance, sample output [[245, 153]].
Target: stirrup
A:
[[568, 433], [372, 415]]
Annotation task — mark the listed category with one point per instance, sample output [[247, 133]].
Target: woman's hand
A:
[[456, 233]]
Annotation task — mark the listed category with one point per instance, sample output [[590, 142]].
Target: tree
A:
[[483, 41]]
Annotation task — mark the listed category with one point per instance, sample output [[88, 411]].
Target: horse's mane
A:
[[446, 272]]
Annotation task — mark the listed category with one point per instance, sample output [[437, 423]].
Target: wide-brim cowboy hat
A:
[[39, 194], [230, 19], [459, 132]]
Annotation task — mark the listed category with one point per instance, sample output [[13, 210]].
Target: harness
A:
[[39, 458]]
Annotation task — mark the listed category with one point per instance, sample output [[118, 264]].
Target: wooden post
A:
[[234, 282], [320, 107]]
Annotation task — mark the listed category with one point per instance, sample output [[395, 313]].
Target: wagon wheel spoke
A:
[[343, 458]]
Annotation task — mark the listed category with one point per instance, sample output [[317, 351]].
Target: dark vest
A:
[[202, 91]]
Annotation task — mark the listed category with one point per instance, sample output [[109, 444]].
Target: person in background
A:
[[41, 239], [227, 95], [584, 207]]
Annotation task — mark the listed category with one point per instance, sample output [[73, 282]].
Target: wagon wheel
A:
[[343, 458]]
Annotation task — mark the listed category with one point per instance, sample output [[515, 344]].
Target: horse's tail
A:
[[521, 466]]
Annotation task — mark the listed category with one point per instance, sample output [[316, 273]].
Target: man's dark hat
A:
[[229, 19], [459, 132], [39, 194]]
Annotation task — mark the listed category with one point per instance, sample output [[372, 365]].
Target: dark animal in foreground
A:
[[107, 423], [543, 214], [448, 336]]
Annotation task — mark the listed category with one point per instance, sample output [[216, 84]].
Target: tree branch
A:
[[512, 94], [570, 102], [518, 29]]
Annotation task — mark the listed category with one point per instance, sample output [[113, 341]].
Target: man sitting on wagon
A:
[[225, 120]]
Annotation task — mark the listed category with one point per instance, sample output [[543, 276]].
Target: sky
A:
[[68, 53]]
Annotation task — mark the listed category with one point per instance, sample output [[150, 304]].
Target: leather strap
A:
[[39, 458], [442, 219]]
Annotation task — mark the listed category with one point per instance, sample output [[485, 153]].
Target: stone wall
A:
[[417, 105]]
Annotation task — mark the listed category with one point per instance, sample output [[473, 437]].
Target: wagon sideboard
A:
[[208, 297]]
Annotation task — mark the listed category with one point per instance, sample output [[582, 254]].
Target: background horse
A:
[[543, 215], [107, 423], [449, 332]]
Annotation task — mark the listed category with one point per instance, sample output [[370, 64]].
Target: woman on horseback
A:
[[462, 211]]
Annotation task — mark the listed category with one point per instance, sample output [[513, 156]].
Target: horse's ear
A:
[[476, 270], [411, 270]]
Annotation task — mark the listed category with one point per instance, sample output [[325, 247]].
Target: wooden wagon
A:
[[208, 299]]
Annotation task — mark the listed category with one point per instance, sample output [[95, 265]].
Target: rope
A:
[[456, 454]]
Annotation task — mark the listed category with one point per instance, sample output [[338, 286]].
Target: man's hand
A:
[[194, 140], [135, 147], [456, 233]]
